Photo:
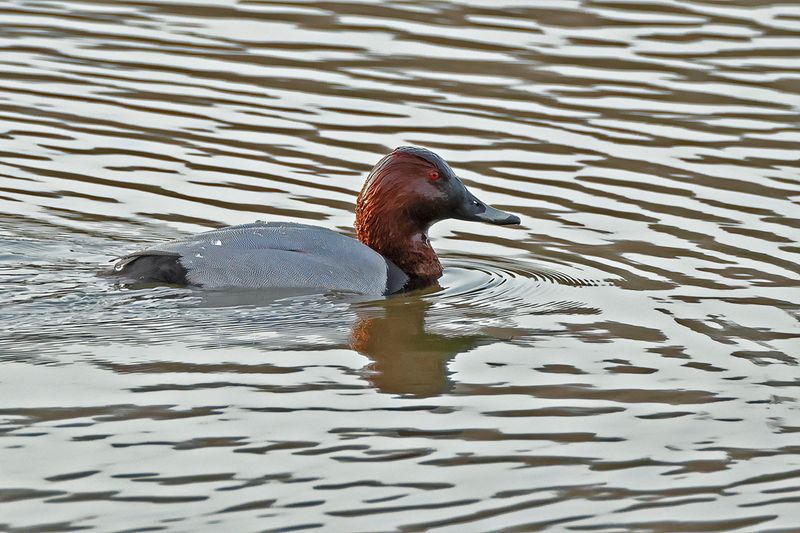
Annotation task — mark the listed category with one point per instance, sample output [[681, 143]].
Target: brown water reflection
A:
[[626, 360], [405, 358]]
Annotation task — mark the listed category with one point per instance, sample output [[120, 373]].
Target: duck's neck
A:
[[407, 247]]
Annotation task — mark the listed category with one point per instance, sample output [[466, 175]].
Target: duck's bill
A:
[[495, 216], [473, 209]]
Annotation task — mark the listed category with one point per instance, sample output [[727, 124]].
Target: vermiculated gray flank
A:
[[276, 255]]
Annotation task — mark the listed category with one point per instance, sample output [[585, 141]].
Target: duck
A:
[[405, 193]]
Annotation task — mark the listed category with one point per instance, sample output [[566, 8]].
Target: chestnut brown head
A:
[[407, 192], [419, 186]]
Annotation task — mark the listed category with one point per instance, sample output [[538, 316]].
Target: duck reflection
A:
[[398, 334], [405, 358]]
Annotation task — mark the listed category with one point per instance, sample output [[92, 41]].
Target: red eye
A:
[[434, 175]]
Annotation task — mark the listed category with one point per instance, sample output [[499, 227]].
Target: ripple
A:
[[509, 288]]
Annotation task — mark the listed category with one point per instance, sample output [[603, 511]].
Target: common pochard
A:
[[407, 192]]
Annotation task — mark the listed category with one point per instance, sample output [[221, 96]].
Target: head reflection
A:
[[405, 358]]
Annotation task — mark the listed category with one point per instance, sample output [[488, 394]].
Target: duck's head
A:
[[407, 192]]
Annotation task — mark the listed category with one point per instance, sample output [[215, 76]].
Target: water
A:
[[625, 360]]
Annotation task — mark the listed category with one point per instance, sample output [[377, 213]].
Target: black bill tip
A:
[[494, 216]]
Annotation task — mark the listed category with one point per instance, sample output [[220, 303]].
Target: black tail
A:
[[164, 267]]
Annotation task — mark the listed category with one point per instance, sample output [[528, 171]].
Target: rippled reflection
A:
[[626, 359]]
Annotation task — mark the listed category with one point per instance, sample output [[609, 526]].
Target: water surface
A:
[[625, 360]]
